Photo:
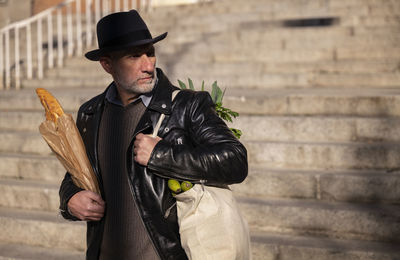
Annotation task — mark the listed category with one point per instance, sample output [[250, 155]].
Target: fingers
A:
[[87, 205], [96, 198], [94, 212], [143, 147]]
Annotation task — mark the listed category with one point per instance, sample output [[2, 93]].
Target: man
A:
[[134, 217]]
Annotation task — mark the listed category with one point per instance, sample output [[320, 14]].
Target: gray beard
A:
[[139, 89]]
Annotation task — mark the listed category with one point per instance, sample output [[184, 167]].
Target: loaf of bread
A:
[[50, 104]]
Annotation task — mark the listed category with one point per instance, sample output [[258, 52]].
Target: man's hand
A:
[[143, 146], [87, 205]]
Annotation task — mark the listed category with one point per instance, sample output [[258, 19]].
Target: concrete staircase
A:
[[319, 109]]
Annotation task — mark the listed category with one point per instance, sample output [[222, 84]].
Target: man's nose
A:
[[147, 63]]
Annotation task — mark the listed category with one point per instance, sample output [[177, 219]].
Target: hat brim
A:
[[95, 55]]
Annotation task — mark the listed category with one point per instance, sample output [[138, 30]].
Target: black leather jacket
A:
[[196, 145]]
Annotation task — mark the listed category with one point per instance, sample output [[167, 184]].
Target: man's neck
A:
[[126, 98]]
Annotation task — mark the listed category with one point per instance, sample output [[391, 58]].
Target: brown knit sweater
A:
[[125, 236]]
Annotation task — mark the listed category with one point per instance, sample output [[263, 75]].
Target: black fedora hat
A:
[[119, 31]]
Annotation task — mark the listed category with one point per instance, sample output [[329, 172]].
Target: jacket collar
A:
[[162, 94]]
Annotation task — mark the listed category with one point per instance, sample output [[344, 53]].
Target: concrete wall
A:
[[14, 10]]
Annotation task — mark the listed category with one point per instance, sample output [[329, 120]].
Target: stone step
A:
[[29, 195], [333, 185], [319, 156], [265, 55], [328, 185], [376, 3], [67, 82], [266, 80], [203, 54], [273, 35], [368, 20], [386, 80], [373, 66], [21, 252], [370, 222], [26, 99], [254, 127], [313, 101], [78, 66], [270, 246], [31, 167], [25, 120], [288, 154], [361, 101], [300, 80], [261, 77], [24, 143], [318, 128], [39, 228]]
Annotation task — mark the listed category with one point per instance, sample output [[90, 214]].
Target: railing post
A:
[[88, 23], [50, 56], [97, 10], [60, 51], [78, 28], [117, 6], [70, 42], [29, 51], [148, 5], [39, 49], [125, 5], [105, 7], [7, 60], [17, 66], [1, 62]]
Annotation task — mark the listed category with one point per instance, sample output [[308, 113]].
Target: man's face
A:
[[133, 70]]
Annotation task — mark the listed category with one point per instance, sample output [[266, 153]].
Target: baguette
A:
[[52, 107]]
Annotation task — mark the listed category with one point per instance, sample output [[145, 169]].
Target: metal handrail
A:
[[94, 10]]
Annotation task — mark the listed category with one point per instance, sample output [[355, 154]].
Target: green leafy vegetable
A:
[[217, 95]]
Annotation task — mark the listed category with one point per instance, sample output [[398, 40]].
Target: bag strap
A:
[[157, 127]]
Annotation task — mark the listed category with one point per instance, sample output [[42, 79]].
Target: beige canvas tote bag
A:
[[211, 225]]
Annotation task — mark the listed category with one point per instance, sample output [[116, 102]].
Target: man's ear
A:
[[106, 64]]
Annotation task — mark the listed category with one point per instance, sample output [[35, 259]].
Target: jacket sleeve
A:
[[217, 158], [67, 190]]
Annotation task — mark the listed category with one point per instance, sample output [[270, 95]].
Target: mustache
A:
[[148, 74]]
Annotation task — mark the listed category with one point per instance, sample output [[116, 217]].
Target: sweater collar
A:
[[113, 97], [160, 99]]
